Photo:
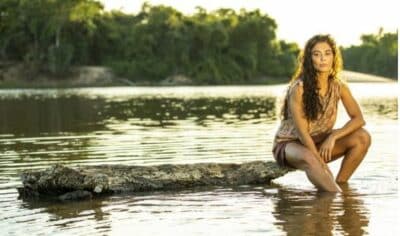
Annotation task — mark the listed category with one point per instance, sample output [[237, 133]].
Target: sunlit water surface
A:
[[149, 126]]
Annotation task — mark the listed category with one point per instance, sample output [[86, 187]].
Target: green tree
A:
[[219, 47], [376, 55], [35, 31]]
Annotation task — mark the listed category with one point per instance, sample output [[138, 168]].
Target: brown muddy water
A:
[[149, 126]]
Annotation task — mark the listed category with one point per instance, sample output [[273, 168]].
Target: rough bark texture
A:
[[83, 182]]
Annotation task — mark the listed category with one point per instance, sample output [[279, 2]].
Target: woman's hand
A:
[[326, 148]]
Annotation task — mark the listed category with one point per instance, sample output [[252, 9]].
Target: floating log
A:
[[81, 182]]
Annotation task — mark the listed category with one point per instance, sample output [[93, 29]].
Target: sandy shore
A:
[[352, 76], [16, 76]]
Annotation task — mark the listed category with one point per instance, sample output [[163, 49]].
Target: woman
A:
[[306, 139]]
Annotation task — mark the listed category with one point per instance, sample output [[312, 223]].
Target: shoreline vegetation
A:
[[100, 76], [45, 43]]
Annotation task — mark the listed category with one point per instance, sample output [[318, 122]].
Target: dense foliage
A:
[[212, 48], [378, 54], [219, 47]]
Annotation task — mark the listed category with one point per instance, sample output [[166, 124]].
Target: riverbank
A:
[[17, 76]]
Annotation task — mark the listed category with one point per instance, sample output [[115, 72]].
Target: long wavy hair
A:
[[306, 72]]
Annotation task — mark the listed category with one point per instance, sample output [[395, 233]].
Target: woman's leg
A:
[[300, 157], [354, 147]]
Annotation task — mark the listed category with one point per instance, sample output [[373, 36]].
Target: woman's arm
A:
[[299, 118], [353, 110], [356, 121], [301, 123]]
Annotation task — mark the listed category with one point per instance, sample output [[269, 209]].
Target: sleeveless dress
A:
[[319, 129]]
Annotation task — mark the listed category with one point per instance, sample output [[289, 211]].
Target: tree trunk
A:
[[87, 181]]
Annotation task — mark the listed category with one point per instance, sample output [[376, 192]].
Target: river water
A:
[[174, 125]]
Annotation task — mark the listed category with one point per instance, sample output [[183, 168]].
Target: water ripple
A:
[[149, 126]]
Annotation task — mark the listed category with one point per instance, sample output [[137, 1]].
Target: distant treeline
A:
[[376, 55], [219, 47]]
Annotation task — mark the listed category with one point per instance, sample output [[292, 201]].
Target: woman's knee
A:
[[363, 138]]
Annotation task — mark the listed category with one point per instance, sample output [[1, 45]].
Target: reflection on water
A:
[[387, 107], [148, 126], [70, 129], [29, 116], [315, 213]]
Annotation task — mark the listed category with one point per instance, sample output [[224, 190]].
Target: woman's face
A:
[[322, 57]]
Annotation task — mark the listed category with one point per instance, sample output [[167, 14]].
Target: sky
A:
[[345, 20]]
